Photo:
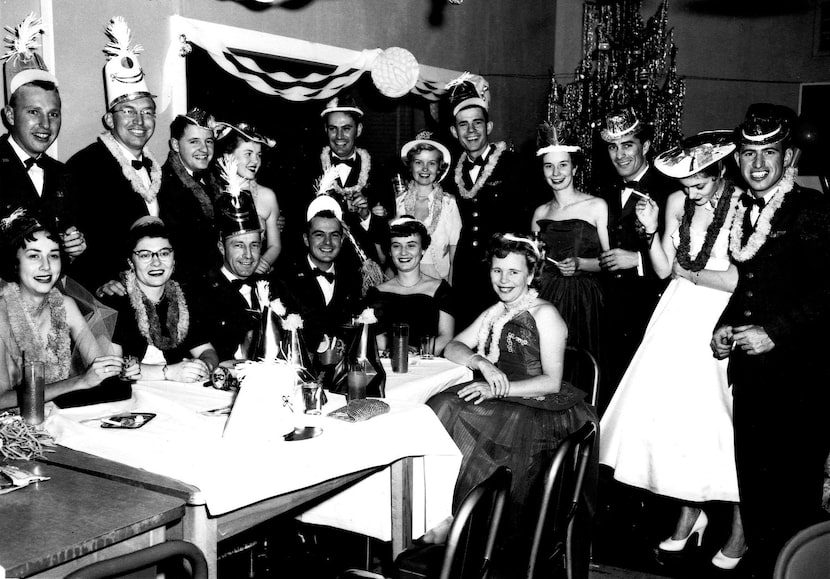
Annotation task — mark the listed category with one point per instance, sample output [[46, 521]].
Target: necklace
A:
[[494, 321], [684, 257], [434, 215], [486, 171], [741, 252], [362, 178], [146, 316], [420, 279], [131, 173]]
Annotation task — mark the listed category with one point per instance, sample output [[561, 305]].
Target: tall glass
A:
[[30, 395], [400, 348]]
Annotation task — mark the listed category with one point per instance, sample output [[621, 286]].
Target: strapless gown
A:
[[420, 311]]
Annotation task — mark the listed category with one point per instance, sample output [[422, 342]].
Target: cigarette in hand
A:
[[643, 195]]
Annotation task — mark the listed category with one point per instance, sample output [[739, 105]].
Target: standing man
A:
[[632, 288], [186, 196], [117, 176], [489, 194], [29, 178], [774, 331]]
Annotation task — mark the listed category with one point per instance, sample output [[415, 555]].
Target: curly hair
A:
[[408, 226], [15, 237], [503, 244]]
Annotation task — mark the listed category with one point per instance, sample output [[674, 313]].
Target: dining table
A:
[[401, 466]]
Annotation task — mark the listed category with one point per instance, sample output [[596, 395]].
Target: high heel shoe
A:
[[721, 561], [674, 545]]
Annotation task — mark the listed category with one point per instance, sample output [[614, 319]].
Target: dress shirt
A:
[[755, 210], [244, 290], [344, 170], [626, 192], [35, 172], [476, 169], [326, 286]]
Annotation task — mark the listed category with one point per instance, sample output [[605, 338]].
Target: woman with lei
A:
[[39, 323], [428, 163], [518, 410], [668, 428], [155, 322]]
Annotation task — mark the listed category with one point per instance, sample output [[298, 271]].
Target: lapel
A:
[[313, 290], [16, 182]]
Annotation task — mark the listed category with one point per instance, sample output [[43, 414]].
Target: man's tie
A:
[[238, 282], [144, 163], [749, 200], [329, 276], [468, 164], [335, 161], [31, 161]]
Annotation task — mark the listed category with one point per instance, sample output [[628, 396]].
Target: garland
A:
[[178, 317], [486, 171], [410, 197], [683, 255], [494, 321], [131, 173], [55, 354], [362, 179], [741, 252], [189, 181]]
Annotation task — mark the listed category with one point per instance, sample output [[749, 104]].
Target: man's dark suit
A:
[[781, 397], [108, 206], [17, 190], [629, 297], [229, 316], [298, 288]]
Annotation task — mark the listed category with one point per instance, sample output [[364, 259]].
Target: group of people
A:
[[186, 252]]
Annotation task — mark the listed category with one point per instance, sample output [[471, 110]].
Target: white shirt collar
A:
[[18, 150], [127, 152], [640, 173], [314, 266]]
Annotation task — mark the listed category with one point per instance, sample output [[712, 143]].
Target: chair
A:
[[582, 370], [470, 542], [552, 540], [144, 558], [806, 555]]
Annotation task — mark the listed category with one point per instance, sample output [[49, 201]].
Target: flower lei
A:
[[130, 173], [362, 178], [486, 171], [683, 255], [741, 252], [411, 197], [178, 317], [494, 321], [55, 354]]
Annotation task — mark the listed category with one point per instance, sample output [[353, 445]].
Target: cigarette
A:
[[553, 261], [734, 345], [111, 422], [643, 195]]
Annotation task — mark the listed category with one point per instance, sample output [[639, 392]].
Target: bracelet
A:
[[164, 372], [697, 277], [470, 359], [650, 238]]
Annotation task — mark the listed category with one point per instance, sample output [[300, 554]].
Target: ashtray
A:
[[303, 433]]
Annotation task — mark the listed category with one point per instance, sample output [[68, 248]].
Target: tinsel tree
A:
[[624, 63]]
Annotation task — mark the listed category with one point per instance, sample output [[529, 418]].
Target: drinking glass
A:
[[427, 347], [400, 348]]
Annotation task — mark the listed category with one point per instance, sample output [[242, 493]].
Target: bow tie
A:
[[335, 161], [144, 163], [750, 200], [238, 283], [468, 164], [328, 275], [28, 163], [635, 185]]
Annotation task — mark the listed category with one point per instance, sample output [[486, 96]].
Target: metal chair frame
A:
[[575, 352], [144, 558], [806, 554]]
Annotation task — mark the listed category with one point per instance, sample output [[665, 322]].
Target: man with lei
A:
[[774, 332], [490, 195]]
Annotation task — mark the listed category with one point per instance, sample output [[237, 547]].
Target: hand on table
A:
[[103, 367], [188, 370]]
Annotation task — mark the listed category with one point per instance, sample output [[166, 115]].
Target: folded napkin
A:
[[360, 410]]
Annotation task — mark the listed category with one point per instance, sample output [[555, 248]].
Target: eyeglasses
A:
[[146, 256], [131, 113]]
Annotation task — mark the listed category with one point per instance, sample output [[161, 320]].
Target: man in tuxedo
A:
[[319, 286], [489, 192], [117, 177], [29, 178], [774, 331], [631, 286], [186, 196]]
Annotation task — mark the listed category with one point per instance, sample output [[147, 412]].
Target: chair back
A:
[[551, 547], [472, 535], [144, 558], [581, 370], [806, 555]]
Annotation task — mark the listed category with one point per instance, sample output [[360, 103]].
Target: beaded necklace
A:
[[683, 255]]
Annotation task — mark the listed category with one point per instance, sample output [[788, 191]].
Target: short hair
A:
[[325, 214], [23, 233], [180, 124], [421, 147], [410, 227], [356, 118], [151, 228], [46, 85], [503, 244], [483, 110]]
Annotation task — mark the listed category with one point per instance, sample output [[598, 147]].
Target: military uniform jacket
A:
[[229, 317]]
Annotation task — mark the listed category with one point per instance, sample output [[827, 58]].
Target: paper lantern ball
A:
[[395, 72]]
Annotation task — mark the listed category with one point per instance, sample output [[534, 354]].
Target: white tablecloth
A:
[[424, 379], [185, 445]]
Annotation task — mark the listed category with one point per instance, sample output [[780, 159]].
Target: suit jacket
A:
[[17, 189], [298, 288], [228, 316], [108, 206]]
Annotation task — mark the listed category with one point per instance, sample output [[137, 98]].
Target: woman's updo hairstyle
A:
[[406, 225], [147, 226], [16, 230], [503, 244]]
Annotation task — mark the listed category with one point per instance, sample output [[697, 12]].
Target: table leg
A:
[[201, 530], [401, 481]]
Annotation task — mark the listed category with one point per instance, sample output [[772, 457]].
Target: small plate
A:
[[303, 433]]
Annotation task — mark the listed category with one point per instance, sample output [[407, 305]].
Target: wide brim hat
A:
[[425, 138], [765, 124], [123, 76], [695, 153], [468, 90], [342, 104], [245, 129], [324, 202], [201, 118], [23, 64], [619, 124], [236, 215]]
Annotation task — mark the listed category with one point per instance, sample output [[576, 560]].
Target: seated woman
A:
[[428, 163], [411, 296], [519, 410], [38, 321], [155, 323]]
